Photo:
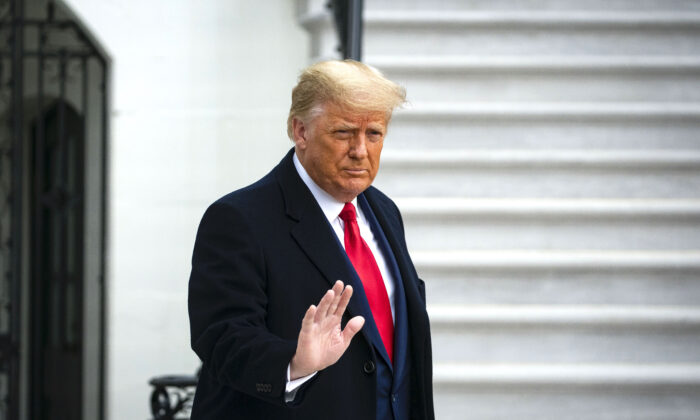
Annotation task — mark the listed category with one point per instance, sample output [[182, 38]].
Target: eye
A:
[[375, 135], [342, 134]]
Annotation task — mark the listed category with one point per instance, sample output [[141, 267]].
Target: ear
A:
[[300, 132]]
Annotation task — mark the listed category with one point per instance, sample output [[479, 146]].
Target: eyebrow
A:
[[376, 127], [345, 126]]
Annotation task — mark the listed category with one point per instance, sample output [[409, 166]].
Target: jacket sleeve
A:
[[227, 308]]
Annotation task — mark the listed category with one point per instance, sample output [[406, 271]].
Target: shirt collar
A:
[[329, 205]]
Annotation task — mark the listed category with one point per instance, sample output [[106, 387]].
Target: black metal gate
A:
[[53, 108]]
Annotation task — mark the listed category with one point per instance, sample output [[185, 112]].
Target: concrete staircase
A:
[[548, 170]]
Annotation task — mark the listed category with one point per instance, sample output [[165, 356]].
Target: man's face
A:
[[340, 149]]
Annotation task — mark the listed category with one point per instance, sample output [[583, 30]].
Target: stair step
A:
[[584, 158], [561, 111], [578, 375], [553, 392], [464, 207], [540, 173], [516, 33], [525, 33], [495, 18], [495, 316], [457, 223], [560, 277], [311, 6], [564, 334], [539, 259], [459, 63], [530, 5], [545, 79], [490, 126]]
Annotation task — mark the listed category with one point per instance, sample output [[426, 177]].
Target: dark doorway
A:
[[57, 223], [53, 214]]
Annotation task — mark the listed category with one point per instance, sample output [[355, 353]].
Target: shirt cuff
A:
[[290, 390]]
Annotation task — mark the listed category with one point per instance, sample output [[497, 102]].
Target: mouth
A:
[[355, 172]]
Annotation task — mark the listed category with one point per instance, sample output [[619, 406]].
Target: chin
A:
[[353, 189], [355, 193], [347, 195]]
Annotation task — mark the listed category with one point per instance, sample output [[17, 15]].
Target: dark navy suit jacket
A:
[[263, 254]]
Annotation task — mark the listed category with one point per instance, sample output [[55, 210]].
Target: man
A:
[[313, 231]]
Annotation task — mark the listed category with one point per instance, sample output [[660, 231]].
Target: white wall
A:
[[200, 92]]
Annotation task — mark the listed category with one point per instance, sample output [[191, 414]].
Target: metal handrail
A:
[[172, 396], [348, 22]]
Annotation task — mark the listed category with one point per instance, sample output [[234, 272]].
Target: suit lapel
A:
[[324, 251], [399, 316], [391, 226]]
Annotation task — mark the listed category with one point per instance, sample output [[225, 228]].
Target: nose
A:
[[358, 146]]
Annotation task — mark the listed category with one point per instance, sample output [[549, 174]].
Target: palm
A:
[[321, 340]]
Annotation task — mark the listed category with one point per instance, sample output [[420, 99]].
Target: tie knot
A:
[[348, 213]]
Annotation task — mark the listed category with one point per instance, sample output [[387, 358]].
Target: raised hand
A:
[[321, 341]]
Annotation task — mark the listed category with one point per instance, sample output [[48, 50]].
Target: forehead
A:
[[334, 114]]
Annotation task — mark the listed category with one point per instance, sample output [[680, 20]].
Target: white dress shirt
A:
[[332, 208]]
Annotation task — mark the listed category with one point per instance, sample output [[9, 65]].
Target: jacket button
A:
[[368, 367]]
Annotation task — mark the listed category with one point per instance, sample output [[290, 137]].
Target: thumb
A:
[[352, 327]]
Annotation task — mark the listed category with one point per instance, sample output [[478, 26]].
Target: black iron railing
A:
[[171, 396], [49, 109]]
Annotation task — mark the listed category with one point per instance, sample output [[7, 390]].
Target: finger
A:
[[338, 290], [344, 299], [323, 306], [352, 327], [308, 320]]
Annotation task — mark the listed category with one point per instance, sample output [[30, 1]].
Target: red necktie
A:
[[366, 266]]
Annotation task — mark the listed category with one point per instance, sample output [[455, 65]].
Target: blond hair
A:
[[348, 84]]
